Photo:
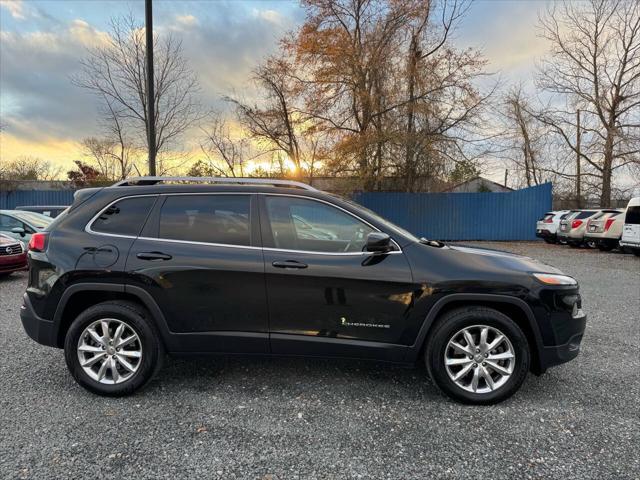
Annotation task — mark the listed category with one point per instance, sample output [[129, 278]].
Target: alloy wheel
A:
[[479, 359], [109, 351]]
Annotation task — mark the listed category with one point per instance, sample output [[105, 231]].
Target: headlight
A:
[[553, 279]]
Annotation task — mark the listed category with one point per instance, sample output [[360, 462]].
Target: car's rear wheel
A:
[[549, 240], [113, 348], [606, 246], [477, 355]]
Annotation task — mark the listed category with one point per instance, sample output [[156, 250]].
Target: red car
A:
[[13, 255]]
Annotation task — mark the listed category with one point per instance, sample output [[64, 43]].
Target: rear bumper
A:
[[39, 329], [542, 233]]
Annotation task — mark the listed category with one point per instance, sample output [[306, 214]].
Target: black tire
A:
[[605, 246], [590, 244], [636, 252], [549, 240], [134, 316], [574, 244], [5, 274], [452, 322]]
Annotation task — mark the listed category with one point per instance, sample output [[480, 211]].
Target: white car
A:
[[605, 229], [547, 226], [631, 230]]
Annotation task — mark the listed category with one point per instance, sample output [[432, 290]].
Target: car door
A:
[[325, 295], [199, 257], [631, 228]]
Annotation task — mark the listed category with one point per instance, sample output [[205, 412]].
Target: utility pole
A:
[[506, 176], [578, 175], [151, 114]]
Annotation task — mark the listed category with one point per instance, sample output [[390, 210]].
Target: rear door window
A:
[[633, 215], [220, 219], [125, 217]]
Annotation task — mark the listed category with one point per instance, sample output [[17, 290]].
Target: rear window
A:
[[582, 215], [548, 216], [125, 217], [220, 219], [633, 215]]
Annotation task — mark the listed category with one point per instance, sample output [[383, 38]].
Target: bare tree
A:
[[594, 69], [276, 123], [29, 168], [115, 72], [224, 154], [524, 136]]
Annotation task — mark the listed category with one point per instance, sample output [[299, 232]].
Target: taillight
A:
[[38, 242], [608, 223], [576, 223]]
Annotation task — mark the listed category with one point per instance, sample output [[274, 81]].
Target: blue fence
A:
[[464, 216], [441, 216], [16, 198]]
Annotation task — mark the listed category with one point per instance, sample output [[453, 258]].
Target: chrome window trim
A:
[[89, 230], [90, 223]]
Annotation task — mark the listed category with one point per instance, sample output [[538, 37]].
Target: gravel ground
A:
[[295, 418]]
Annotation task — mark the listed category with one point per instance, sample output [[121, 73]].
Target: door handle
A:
[[153, 256], [289, 264]]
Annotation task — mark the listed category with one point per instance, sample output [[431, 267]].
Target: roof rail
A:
[[225, 180]]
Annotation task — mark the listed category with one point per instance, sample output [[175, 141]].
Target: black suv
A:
[[271, 267]]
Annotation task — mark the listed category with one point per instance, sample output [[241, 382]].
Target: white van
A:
[[631, 231]]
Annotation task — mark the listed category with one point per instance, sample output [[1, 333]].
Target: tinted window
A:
[[633, 215], [299, 224], [206, 218], [582, 215], [125, 217]]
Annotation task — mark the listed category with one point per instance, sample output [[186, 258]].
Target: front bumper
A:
[[558, 354], [39, 329], [13, 263]]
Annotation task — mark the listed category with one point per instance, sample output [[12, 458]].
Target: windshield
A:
[[393, 228], [33, 219]]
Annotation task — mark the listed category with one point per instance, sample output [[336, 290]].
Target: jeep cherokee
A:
[[179, 265]]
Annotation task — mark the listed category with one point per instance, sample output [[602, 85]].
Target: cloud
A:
[[186, 20], [39, 104], [15, 7]]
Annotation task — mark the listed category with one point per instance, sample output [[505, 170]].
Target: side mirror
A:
[[378, 242], [18, 230]]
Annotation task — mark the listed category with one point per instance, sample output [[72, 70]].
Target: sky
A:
[[42, 42]]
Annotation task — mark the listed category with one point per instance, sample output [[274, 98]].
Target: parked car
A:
[[145, 267], [13, 255], [21, 225], [631, 230], [547, 226], [604, 229], [48, 211], [573, 227]]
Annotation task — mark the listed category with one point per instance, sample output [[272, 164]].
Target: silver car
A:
[[604, 230], [574, 226]]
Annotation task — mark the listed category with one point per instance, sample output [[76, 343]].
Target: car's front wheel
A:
[[477, 355], [113, 348]]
